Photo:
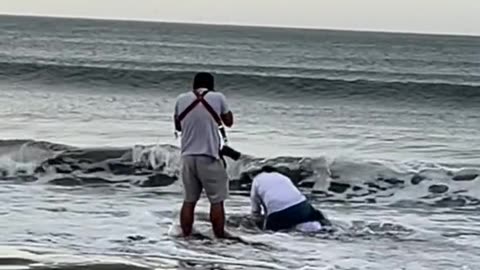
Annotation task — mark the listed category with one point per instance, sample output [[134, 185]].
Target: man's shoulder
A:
[[215, 93], [190, 95], [215, 96], [184, 99], [184, 95], [261, 177], [272, 176]]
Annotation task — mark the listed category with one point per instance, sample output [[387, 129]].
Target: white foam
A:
[[166, 157], [13, 168]]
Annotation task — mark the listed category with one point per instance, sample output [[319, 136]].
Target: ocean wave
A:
[[270, 83], [306, 71], [337, 180]]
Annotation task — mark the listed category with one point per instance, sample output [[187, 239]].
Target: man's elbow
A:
[[228, 124], [227, 119]]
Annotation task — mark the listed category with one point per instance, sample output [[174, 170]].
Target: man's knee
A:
[[191, 197], [189, 205], [217, 206]]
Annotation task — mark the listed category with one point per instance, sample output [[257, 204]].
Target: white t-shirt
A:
[[275, 192], [200, 135]]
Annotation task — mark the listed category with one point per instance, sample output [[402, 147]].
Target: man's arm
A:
[[226, 114], [256, 214], [227, 119], [255, 201], [177, 123]]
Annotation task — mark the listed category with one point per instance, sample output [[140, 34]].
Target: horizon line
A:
[[309, 28]]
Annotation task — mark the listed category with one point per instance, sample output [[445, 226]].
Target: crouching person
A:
[[284, 206]]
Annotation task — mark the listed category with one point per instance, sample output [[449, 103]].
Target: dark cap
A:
[[204, 80]]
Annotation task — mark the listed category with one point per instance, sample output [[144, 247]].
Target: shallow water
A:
[[79, 225], [380, 131]]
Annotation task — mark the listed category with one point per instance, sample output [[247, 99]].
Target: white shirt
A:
[[200, 135], [275, 192]]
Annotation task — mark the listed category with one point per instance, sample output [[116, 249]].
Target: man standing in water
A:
[[198, 115]]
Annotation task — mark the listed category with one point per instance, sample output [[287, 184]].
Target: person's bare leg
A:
[[217, 218], [187, 217]]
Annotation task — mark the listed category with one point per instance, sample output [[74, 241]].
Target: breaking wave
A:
[[336, 180]]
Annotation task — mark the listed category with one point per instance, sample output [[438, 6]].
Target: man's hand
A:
[[258, 219]]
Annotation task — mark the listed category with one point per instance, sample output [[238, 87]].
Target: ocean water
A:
[[380, 131]]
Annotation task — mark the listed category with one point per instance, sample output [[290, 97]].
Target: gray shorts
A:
[[204, 172]]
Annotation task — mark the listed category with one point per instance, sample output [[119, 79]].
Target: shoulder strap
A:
[[191, 106], [211, 111], [200, 99]]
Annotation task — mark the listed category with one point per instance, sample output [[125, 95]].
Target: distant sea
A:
[[379, 130]]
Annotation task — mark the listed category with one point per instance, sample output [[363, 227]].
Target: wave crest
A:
[[333, 83], [338, 180]]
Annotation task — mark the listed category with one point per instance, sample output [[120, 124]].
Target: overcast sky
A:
[[430, 16]]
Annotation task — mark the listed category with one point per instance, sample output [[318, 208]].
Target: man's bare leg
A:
[[187, 216], [217, 218]]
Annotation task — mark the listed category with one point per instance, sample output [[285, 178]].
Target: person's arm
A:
[[226, 114], [255, 201], [178, 125], [256, 214]]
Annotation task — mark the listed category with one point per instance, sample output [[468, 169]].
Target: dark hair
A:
[[268, 169], [248, 176], [204, 80]]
